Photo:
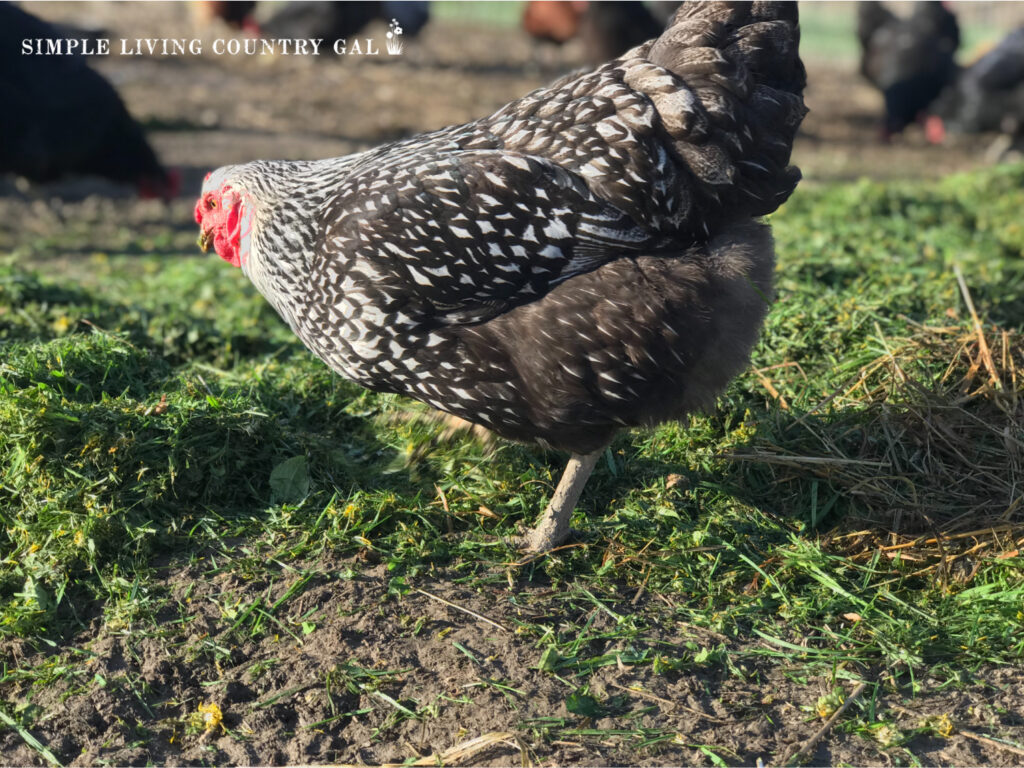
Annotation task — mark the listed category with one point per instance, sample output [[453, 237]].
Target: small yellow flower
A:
[[944, 726], [33, 548], [210, 716], [350, 512], [79, 538]]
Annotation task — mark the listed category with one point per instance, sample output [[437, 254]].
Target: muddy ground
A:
[[328, 696]]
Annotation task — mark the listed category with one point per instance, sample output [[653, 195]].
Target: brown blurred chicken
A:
[[554, 21], [607, 29]]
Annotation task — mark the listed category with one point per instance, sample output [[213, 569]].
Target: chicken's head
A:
[[224, 219]]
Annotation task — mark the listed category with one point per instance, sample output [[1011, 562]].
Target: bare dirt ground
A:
[[327, 697]]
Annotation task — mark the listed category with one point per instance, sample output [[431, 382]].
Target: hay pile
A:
[[925, 443]]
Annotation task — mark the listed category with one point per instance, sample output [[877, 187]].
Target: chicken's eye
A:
[[211, 203]]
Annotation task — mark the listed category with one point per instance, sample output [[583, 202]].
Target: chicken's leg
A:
[[553, 526]]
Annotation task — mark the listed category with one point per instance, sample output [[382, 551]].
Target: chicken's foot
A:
[[553, 526]]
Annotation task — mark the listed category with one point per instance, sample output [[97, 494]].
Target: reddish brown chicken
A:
[[237, 14], [556, 21], [607, 28]]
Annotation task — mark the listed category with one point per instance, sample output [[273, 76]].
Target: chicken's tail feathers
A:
[[763, 37], [727, 81]]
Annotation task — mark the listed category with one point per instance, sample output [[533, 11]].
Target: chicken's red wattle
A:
[[227, 241]]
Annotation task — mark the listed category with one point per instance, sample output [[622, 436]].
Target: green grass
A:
[[156, 411]]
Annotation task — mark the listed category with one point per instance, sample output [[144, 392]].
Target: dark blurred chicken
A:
[[339, 20], [60, 117], [612, 27], [987, 96], [910, 60]]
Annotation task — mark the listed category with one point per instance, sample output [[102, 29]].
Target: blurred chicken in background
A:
[[910, 60], [237, 14], [62, 118], [339, 20], [988, 96], [308, 19], [553, 21], [607, 29]]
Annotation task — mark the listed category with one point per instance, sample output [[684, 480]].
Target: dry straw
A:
[[924, 447]]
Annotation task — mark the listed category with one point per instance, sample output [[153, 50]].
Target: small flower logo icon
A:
[[394, 44]]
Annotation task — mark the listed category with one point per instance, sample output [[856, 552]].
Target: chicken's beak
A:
[[205, 238]]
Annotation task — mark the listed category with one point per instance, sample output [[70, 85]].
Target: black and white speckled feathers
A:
[[585, 259]]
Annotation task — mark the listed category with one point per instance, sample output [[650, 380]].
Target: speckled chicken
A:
[[587, 259]]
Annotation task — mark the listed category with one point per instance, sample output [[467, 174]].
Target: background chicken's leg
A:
[[554, 523]]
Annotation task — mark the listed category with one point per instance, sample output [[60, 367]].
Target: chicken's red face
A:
[[223, 220]]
